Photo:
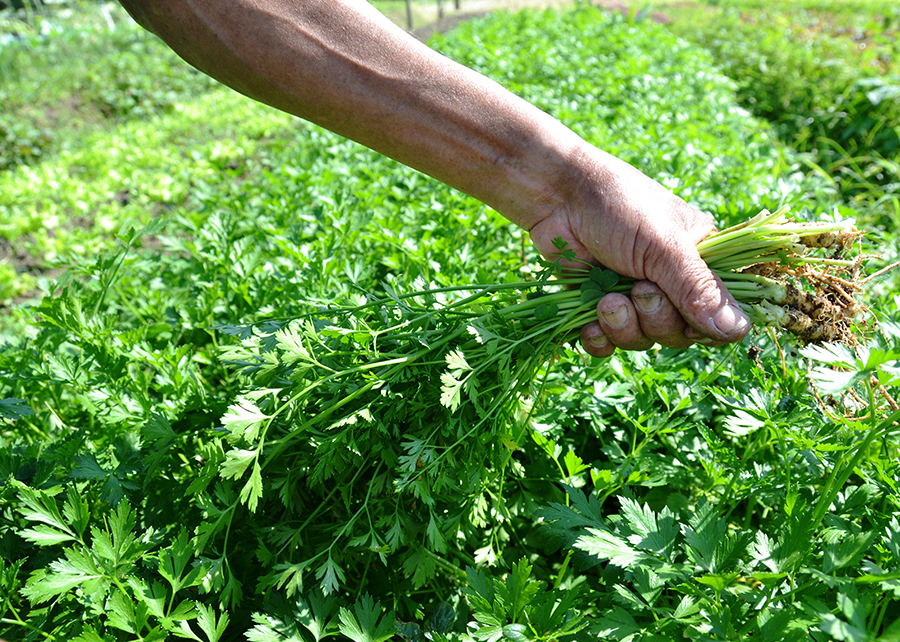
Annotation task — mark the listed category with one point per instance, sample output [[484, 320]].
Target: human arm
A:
[[342, 65]]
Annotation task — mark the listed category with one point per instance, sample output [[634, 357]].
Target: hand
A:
[[617, 216]]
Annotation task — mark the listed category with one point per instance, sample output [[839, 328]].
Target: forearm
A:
[[342, 65]]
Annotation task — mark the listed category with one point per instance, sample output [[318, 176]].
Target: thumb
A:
[[700, 296]]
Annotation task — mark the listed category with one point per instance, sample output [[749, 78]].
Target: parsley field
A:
[[200, 441]]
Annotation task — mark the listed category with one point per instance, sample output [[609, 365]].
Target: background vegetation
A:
[[157, 231]]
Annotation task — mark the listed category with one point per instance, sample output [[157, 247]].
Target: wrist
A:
[[544, 175]]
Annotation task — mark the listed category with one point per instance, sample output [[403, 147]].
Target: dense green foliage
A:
[[40, 85], [123, 135], [702, 494], [827, 77]]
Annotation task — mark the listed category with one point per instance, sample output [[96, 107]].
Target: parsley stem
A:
[[831, 488], [447, 566], [26, 625]]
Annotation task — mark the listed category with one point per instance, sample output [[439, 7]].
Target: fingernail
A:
[[617, 318], [731, 320], [599, 342], [648, 304]]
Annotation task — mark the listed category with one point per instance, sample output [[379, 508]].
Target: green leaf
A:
[[616, 623], [856, 366], [741, 423], [420, 565], [546, 311], [891, 539], [838, 629], [657, 533], [174, 559], [518, 590], [41, 507], [451, 391], [480, 589], [315, 613], [606, 279], [554, 612], [264, 631], [847, 552], [122, 525], [243, 420], [206, 617], [90, 635], [851, 606], [410, 632], [891, 633], [574, 464], [124, 614], [590, 292], [330, 576], [606, 545], [686, 608], [718, 582], [565, 252], [177, 621], [833, 354], [762, 550], [153, 595], [290, 341], [158, 431], [77, 569], [456, 361], [793, 543], [832, 382], [45, 536], [14, 409], [214, 455], [516, 632], [442, 620], [280, 622], [706, 537], [253, 489], [435, 537], [721, 622], [184, 630], [363, 624], [233, 592], [236, 462], [87, 467], [116, 546], [452, 379], [488, 633]]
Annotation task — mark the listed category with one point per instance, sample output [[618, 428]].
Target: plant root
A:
[[842, 239], [819, 301]]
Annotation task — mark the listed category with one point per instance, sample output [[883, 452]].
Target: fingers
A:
[[619, 321], [594, 342], [699, 295], [658, 318], [638, 322]]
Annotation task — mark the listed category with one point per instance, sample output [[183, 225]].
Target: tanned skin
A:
[[344, 66]]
